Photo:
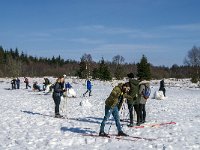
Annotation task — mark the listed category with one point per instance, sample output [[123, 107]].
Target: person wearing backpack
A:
[[144, 93], [135, 101], [26, 81]]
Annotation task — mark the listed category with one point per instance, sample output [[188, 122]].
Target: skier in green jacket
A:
[[118, 93]]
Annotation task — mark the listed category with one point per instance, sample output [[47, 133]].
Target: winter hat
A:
[[130, 75], [64, 76]]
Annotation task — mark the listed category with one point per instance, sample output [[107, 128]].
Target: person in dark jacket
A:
[[36, 86], [89, 88], [13, 83], [162, 87], [57, 93], [18, 83], [46, 83], [26, 81], [111, 107], [133, 103]]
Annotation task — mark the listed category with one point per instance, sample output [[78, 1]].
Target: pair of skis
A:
[[124, 138], [153, 125]]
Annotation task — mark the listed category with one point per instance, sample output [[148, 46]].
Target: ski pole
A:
[[111, 122], [66, 106], [110, 127], [129, 111]]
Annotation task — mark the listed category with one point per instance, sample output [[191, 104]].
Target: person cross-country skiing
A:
[[89, 88], [57, 93], [111, 107]]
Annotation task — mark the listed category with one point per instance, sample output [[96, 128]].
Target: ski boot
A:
[[121, 133], [103, 134]]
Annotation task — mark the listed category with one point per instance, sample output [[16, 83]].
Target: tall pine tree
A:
[[143, 69], [102, 72], [84, 71]]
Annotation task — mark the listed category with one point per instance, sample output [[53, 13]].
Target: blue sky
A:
[[163, 30]]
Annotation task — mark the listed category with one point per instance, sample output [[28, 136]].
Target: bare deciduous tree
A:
[[193, 57], [118, 60], [193, 60]]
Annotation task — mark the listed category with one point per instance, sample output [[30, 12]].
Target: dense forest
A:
[[14, 64]]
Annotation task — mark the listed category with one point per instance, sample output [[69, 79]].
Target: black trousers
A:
[[13, 86], [163, 90], [142, 112], [136, 108], [88, 91], [27, 85], [57, 100]]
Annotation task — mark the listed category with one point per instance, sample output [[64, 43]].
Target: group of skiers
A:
[[15, 84], [136, 92]]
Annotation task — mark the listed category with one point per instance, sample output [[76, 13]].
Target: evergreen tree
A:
[[119, 72], [16, 53], [95, 73], [1, 54], [143, 69], [84, 71], [104, 73]]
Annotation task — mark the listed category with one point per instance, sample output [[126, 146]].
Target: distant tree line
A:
[[14, 64]]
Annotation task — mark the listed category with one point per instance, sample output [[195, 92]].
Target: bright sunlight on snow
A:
[[27, 119]]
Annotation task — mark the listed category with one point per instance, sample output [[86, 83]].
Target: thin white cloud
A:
[[106, 30], [87, 41], [185, 27], [149, 33], [115, 48]]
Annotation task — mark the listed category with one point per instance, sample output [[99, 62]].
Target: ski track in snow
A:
[[27, 120]]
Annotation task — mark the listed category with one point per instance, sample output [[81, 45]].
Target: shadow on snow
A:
[[86, 119], [77, 130]]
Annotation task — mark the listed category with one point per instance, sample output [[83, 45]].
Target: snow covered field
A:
[[27, 122]]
